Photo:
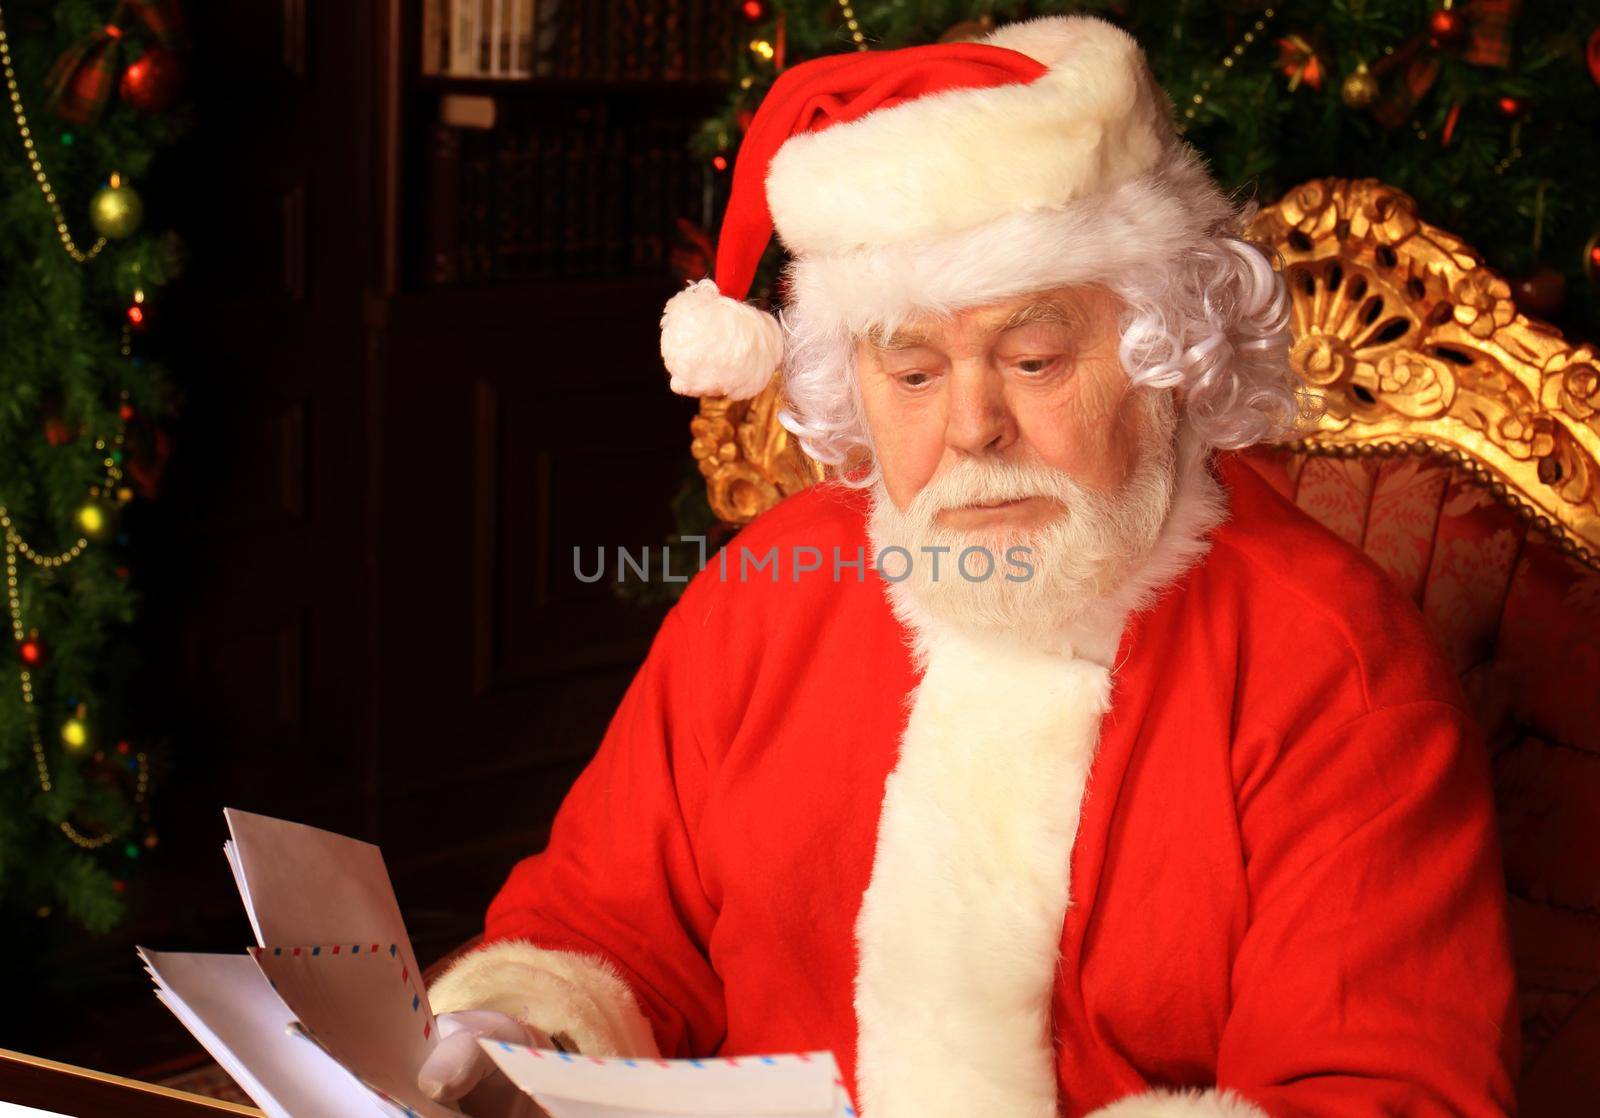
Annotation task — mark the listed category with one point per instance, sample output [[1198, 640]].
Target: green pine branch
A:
[[62, 373], [1263, 138]]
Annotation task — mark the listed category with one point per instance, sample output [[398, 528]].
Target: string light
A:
[[39, 176], [1228, 60]]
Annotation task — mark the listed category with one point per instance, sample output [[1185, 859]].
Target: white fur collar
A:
[[960, 928]]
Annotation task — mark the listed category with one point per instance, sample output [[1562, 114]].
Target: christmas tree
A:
[[1484, 111], [89, 87]]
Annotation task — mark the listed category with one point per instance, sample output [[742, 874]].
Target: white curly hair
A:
[[1212, 319]]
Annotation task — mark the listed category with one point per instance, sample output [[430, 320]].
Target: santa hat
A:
[[935, 177]]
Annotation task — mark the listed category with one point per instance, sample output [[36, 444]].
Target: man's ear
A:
[[857, 464]]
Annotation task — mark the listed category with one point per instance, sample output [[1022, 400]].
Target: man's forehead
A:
[[930, 329]]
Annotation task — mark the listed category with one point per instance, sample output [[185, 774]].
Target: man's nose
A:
[[979, 420]]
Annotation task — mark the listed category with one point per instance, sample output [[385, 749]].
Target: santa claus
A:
[[1109, 783]]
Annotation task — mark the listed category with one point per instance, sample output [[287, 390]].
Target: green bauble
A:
[[115, 210]]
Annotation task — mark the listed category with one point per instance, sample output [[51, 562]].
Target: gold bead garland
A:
[[1515, 153], [1228, 60], [850, 22], [15, 545], [39, 176]]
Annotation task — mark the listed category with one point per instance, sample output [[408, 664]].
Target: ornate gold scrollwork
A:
[[749, 460], [1414, 341], [1418, 347]]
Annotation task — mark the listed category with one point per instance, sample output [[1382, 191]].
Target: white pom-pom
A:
[[717, 346]]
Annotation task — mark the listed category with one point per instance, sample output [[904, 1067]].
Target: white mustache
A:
[[976, 482]]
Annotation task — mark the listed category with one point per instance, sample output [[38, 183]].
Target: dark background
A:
[[358, 605]]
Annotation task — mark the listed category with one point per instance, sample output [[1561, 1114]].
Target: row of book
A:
[[572, 197], [604, 40]]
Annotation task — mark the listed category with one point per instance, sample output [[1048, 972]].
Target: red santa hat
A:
[[935, 177]]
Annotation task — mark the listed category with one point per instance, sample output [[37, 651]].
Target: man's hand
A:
[[459, 1071]]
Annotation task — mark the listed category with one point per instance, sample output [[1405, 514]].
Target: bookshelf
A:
[[669, 40], [557, 150]]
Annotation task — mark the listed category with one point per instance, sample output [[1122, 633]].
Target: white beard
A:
[[1079, 559]]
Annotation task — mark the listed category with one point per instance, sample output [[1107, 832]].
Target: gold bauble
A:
[[91, 519], [1360, 89], [74, 734], [115, 210]]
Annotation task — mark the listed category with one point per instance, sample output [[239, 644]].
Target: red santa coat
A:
[[1248, 866]]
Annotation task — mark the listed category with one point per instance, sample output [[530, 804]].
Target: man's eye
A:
[[1035, 366], [915, 380]]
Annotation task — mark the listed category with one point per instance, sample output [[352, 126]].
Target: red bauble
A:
[[32, 651], [1541, 292], [57, 432], [1449, 128], [754, 10], [152, 81], [1446, 28], [1511, 108]]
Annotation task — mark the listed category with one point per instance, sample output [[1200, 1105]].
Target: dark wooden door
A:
[[516, 426]]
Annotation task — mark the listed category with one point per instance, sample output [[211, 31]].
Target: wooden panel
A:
[[255, 678], [516, 424], [553, 490], [269, 436], [294, 37]]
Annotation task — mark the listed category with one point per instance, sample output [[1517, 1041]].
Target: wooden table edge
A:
[[9, 1061]]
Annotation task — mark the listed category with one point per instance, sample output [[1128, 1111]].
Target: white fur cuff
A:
[[1181, 1104], [580, 996]]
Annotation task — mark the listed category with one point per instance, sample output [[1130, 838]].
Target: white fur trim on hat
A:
[[579, 996], [949, 161], [1181, 1104], [717, 346], [1143, 223]]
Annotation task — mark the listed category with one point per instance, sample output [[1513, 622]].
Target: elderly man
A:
[[1111, 784]]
